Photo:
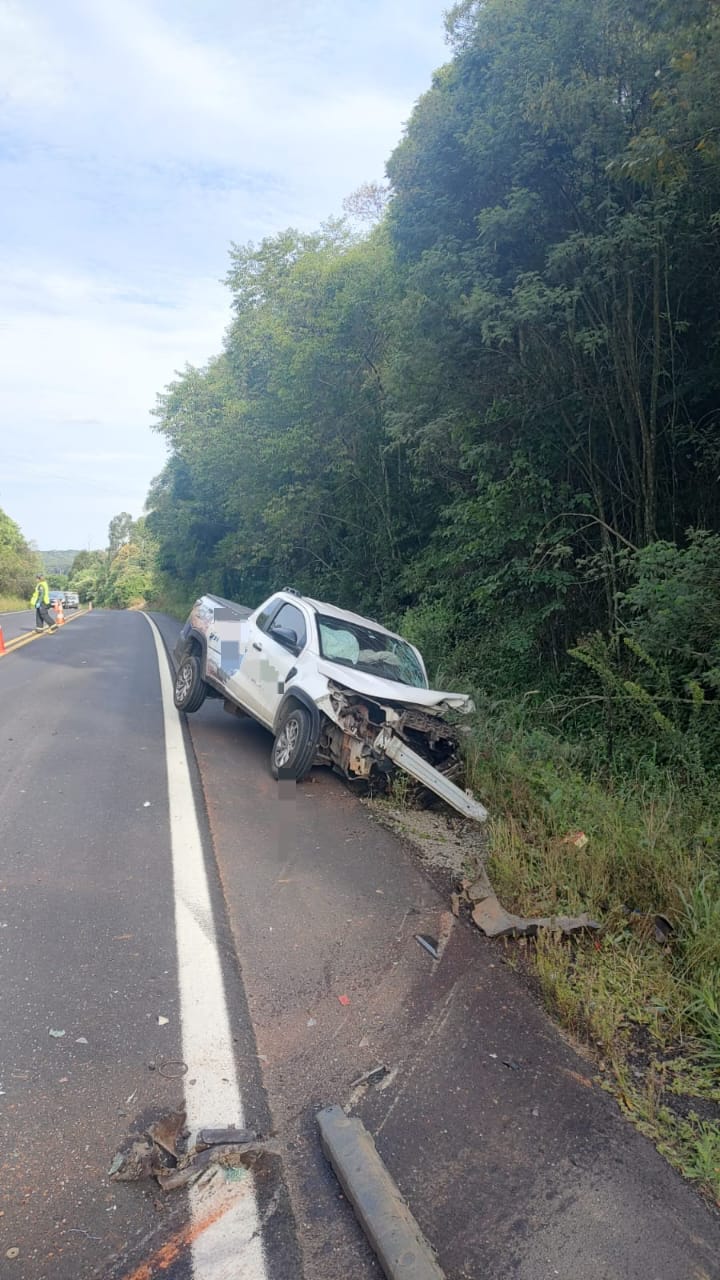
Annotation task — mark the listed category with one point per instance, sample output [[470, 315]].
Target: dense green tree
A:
[[471, 419], [18, 561]]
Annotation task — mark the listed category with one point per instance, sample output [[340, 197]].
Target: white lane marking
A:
[[225, 1215]]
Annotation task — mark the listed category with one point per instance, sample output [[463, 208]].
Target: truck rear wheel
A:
[[190, 689], [293, 750]]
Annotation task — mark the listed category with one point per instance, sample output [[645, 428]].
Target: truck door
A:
[[278, 648]]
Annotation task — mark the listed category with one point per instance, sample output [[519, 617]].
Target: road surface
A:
[[513, 1162]]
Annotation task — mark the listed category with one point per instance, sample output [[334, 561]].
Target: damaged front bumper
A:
[[425, 773], [362, 737]]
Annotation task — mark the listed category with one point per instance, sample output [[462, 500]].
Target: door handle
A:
[[257, 646]]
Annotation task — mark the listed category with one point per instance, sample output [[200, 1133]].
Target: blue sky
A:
[[138, 138]]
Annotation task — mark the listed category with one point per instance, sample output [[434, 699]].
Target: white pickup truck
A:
[[332, 687]]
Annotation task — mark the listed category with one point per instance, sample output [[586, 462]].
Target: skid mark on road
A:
[[224, 1234]]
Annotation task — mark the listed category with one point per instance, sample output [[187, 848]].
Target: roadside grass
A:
[[645, 1001], [9, 603]]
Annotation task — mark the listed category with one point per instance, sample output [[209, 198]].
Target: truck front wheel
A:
[[190, 688], [293, 749]]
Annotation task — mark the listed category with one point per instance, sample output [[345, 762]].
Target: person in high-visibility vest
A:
[[41, 604]]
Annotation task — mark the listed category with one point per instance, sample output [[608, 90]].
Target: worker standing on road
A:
[[41, 604]]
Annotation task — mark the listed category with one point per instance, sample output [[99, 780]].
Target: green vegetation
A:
[[492, 421], [121, 577], [57, 563], [19, 564]]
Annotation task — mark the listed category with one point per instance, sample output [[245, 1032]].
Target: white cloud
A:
[[142, 137], [32, 72]]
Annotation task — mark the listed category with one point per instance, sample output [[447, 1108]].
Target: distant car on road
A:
[[72, 600], [56, 597]]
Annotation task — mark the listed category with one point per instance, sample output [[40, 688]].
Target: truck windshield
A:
[[363, 649]]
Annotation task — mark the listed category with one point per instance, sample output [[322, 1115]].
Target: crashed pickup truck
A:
[[332, 687]]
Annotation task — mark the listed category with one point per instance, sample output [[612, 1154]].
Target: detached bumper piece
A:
[[422, 771], [402, 1249]]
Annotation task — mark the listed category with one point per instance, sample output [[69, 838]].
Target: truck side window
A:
[[289, 619], [263, 618]]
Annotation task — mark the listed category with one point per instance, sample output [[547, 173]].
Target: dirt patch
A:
[[444, 842]]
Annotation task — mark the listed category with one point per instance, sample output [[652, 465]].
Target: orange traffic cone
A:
[[59, 615], [2, 642]]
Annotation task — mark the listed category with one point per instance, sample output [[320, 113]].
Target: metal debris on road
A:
[[428, 944], [156, 1154], [393, 1233], [371, 1077], [217, 1137]]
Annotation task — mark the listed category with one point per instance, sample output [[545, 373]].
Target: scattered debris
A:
[[648, 924], [496, 922], [384, 1215], [157, 1154], [371, 1077], [429, 944], [436, 946], [81, 1040], [162, 1020], [55, 1034], [344, 1000], [13, 1252], [172, 1070], [577, 839], [165, 1132], [312, 1022], [217, 1137]]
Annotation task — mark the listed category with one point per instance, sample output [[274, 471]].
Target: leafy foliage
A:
[[18, 562]]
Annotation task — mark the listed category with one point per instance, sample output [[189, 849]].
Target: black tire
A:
[[293, 750], [190, 689]]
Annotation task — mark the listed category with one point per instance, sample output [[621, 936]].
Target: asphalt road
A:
[[513, 1161], [91, 992], [18, 623]]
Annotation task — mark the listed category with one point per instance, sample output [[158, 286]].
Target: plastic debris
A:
[[162, 1021], [56, 1035], [13, 1252], [157, 1153], [81, 1040], [428, 944], [344, 1000], [490, 916]]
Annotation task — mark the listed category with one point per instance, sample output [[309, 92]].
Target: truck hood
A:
[[392, 691]]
